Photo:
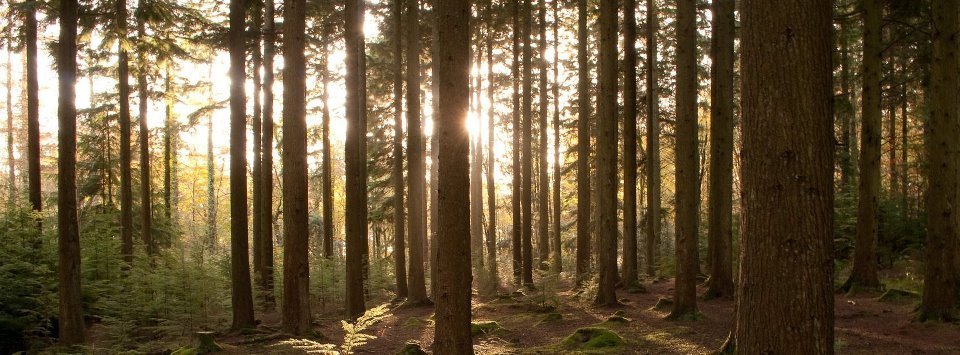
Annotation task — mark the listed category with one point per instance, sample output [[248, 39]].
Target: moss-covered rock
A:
[[479, 328], [412, 348], [593, 338]]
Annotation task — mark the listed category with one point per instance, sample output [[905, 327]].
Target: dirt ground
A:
[[864, 326]]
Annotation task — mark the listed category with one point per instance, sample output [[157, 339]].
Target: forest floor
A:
[[864, 325]]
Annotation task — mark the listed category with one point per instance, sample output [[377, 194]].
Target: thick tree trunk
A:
[[543, 220], [631, 277], [653, 140], [557, 265], [452, 335], [126, 184], [720, 220], [583, 146], [266, 179], [146, 203], [70, 321], [864, 273], [687, 163], [785, 290], [399, 227], [607, 155], [940, 277], [33, 110], [296, 231], [527, 170], [416, 167], [355, 159], [516, 196]]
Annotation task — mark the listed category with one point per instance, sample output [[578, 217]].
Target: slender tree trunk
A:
[[355, 158], [583, 146], [211, 178], [904, 160], [296, 231], [257, 128], [476, 172], [10, 159], [416, 167], [846, 110], [892, 164], [864, 273], [631, 277], [527, 170], [434, 149], [940, 276], [543, 220], [785, 290], [720, 229], [33, 110], [557, 265], [327, 153], [607, 155], [516, 195], [266, 179], [146, 204], [70, 321], [452, 334], [169, 138], [399, 228], [491, 157], [688, 163], [241, 294], [126, 184], [653, 140]]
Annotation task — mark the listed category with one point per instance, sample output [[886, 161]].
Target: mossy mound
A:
[[663, 304], [415, 322], [206, 345], [484, 327], [593, 338], [412, 348], [618, 319], [894, 295], [686, 316], [553, 317]]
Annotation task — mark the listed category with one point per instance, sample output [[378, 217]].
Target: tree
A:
[[33, 108], [653, 140], [327, 183], [517, 184], [939, 300], [416, 167], [296, 269], [720, 219], [399, 252], [543, 184], [146, 216], [784, 293], [355, 159], [583, 145], [241, 294], [70, 321], [9, 91], [452, 331], [126, 184], [607, 155], [630, 274], [557, 206], [266, 180], [527, 149], [257, 127], [864, 273], [491, 158], [688, 163]]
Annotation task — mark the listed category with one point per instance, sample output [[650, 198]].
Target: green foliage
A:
[[478, 328], [353, 337], [593, 338], [28, 299]]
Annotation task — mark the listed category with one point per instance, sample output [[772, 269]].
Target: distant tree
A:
[[452, 331], [33, 107], [266, 180], [517, 176], [241, 294], [557, 265], [126, 184], [327, 182], [70, 320], [630, 274], [355, 160], [491, 155], [785, 288], [543, 218], [607, 155], [527, 149], [399, 228], [146, 205], [256, 123], [416, 167], [583, 146], [653, 140]]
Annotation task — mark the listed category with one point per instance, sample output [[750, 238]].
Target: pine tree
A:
[[33, 107], [527, 149], [583, 146], [355, 160], [630, 273], [399, 228], [146, 205], [416, 168], [543, 218], [266, 180], [126, 184], [607, 155], [653, 140]]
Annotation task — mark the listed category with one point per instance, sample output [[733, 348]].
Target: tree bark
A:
[[70, 321], [785, 289], [583, 146], [296, 231], [653, 140], [355, 160], [399, 227], [687, 163], [720, 219], [266, 180], [631, 277], [452, 334], [607, 155], [940, 279], [126, 184], [527, 170], [416, 167], [146, 204], [33, 110]]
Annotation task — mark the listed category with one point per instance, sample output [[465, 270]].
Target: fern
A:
[[353, 337]]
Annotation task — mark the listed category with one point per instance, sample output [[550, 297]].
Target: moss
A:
[[663, 304], [618, 319], [186, 350], [593, 338], [415, 322], [553, 317], [412, 348], [894, 295], [687, 316], [484, 327]]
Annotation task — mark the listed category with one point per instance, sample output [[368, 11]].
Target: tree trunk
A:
[[452, 334], [70, 321], [266, 180], [583, 146], [9, 89], [557, 265], [607, 155], [126, 184], [170, 133], [904, 160], [296, 268], [476, 175], [687, 163], [33, 109], [516, 193], [720, 220], [241, 294], [785, 289], [211, 178], [399, 228], [653, 140], [416, 167], [355, 159], [146, 204], [864, 273], [845, 109], [257, 128], [327, 194], [434, 149], [543, 219], [527, 170], [940, 277], [631, 277]]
